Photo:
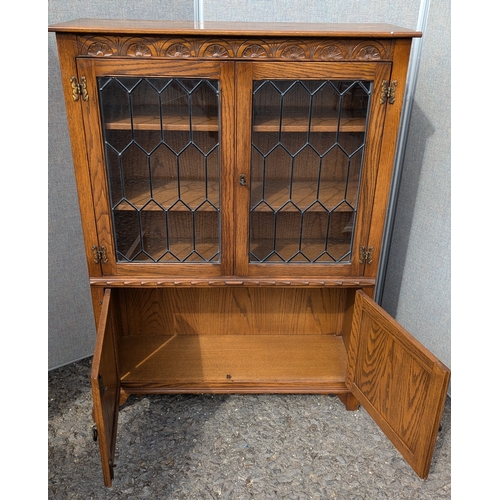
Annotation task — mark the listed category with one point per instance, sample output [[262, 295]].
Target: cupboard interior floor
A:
[[230, 363]]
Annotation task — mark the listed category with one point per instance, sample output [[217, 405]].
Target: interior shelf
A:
[[227, 363], [304, 194], [265, 122], [168, 193], [176, 119], [194, 194], [298, 121], [311, 250], [206, 251]]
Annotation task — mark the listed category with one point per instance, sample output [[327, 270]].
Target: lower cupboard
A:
[[238, 339], [231, 339]]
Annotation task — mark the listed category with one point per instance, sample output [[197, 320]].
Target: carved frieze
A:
[[216, 50], [99, 49], [139, 50], [253, 50], [292, 51], [368, 52], [300, 49]]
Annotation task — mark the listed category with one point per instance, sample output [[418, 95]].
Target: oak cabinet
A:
[[233, 182]]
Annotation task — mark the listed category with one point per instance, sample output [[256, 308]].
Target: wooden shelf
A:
[[176, 119], [304, 193], [277, 194], [298, 121], [229, 363], [192, 192], [287, 247], [181, 249], [265, 122]]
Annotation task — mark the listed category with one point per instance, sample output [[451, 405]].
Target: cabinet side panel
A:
[[97, 301], [388, 151], [67, 49], [347, 318]]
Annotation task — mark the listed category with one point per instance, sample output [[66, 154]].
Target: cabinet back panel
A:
[[230, 311]]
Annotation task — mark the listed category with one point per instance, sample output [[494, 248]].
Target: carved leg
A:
[[350, 402]]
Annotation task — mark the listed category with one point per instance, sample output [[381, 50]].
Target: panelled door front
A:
[[398, 381], [308, 142], [105, 382], [164, 131]]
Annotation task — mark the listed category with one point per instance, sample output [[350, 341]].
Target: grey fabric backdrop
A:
[[417, 287], [71, 331]]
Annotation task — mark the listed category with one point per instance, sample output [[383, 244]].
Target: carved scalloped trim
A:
[[369, 51], [331, 51], [294, 50], [139, 47], [102, 47], [254, 49], [177, 48], [218, 48]]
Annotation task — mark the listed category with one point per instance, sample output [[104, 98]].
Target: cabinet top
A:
[[162, 27]]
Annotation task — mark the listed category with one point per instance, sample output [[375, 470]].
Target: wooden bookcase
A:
[[233, 182]]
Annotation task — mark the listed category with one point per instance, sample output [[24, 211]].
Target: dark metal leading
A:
[[343, 90], [111, 107]]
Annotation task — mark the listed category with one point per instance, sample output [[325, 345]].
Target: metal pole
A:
[[198, 12], [414, 64]]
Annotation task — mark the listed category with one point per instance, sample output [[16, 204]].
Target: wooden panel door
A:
[[160, 137], [398, 381], [105, 384], [308, 147]]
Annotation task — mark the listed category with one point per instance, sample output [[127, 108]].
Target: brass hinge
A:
[[388, 94], [100, 255], [79, 89], [365, 256]]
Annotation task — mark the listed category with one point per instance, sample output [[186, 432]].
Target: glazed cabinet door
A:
[[105, 384], [308, 144], [160, 143], [398, 381]]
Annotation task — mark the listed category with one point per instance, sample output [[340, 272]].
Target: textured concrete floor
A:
[[231, 447]]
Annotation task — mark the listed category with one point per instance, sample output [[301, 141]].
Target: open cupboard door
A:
[[106, 387], [398, 381]]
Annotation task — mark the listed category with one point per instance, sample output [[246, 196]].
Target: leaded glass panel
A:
[[161, 140], [308, 141]]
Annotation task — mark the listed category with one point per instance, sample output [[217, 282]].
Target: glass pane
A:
[[161, 138], [308, 142]]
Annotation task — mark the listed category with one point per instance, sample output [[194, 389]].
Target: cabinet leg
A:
[[350, 402], [123, 397]]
